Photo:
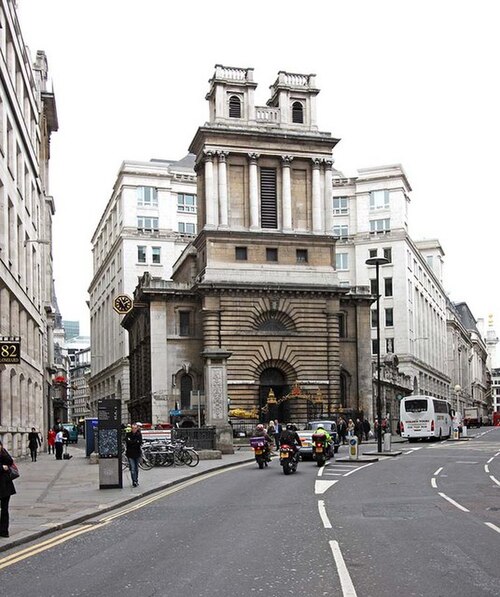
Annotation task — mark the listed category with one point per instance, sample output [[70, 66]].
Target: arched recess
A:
[[278, 376], [186, 387], [186, 380], [297, 113], [234, 107], [276, 322]]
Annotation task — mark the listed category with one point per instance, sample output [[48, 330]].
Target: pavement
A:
[[56, 494]]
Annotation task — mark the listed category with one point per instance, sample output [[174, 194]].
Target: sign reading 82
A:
[[10, 351]]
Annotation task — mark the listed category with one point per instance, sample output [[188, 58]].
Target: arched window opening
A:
[[186, 387], [234, 107], [297, 113]]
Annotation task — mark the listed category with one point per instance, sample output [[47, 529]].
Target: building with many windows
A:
[[148, 220], [254, 302], [370, 217], [28, 117]]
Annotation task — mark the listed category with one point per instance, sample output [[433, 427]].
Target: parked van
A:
[[72, 432]]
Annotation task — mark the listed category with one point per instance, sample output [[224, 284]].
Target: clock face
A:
[[122, 304]]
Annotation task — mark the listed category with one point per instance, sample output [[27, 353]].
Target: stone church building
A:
[[254, 303]]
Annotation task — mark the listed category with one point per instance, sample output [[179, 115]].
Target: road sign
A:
[[123, 304], [175, 413]]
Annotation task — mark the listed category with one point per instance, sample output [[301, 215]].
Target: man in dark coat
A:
[[358, 430], [6, 490], [133, 442], [34, 443], [366, 428]]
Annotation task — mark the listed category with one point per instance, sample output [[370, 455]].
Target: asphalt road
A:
[[424, 523]]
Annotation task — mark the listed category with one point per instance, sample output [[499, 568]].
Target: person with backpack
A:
[[290, 437]]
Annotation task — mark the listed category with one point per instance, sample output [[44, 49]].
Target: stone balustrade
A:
[[265, 114]]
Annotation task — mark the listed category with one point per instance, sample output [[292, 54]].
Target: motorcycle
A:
[[320, 449], [261, 451], [288, 459]]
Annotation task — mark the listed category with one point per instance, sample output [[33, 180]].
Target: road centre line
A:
[[433, 483], [492, 458], [456, 504], [495, 480], [438, 471], [323, 515], [348, 589], [492, 526], [320, 472]]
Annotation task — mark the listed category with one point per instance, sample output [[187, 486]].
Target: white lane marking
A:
[[348, 589], [495, 480], [490, 459], [335, 474], [486, 468], [359, 468], [433, 482], [438, 471], [320, 472], [497, 454], [323, 515], [322, 486], [456, 504], [492, 526]]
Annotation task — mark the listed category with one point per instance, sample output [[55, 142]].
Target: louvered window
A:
[[268, 198], [234, 107], [297, 113]]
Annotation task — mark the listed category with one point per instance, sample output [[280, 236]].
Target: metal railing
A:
[[199, 438]]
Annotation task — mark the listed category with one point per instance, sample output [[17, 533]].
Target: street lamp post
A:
[[377, 262]]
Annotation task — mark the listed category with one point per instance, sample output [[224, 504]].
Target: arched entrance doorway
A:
[[273, 379], [186, 387]]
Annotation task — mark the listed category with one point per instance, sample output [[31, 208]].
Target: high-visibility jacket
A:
[[322, 431]]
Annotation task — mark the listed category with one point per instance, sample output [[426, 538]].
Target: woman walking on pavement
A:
[[133, 442], [51, 441], [34, 443], [6, 489]]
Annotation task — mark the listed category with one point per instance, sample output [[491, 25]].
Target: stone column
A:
[[316, 197], [286, 163], [328, 197], [254, 191], [332, 330], [216, 402], [223, 206], [209, 191]]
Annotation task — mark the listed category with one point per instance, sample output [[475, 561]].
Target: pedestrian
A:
[[51, 440], [133, 442], [34, 443], [59, 443], [6, 489], [366, 428], [277, 432], [342, 429], [358, 430], [271, 430], [350, 427]]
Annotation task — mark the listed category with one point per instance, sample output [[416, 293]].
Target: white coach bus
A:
[[425, 417]]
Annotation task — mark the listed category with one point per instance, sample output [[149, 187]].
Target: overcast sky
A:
[[410, 82]]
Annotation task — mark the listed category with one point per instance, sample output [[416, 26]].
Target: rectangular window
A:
[[388, 254], [374, 346], [389, 345], [429, 260], [374, 318], [341, 261], [240, 253], [377, 226], [342, 230], [184, 323], [342, 325], [186, 202], [186, 228], [340, 205], [388, 286], [379, 200], [147, 224], [373, 286], [302, 256], [271, 254], [141, 254], [268, 198], [389, 318], [156, 254], [147, 197], [372, 253]]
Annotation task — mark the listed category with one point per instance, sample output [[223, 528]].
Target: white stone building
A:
[[371, 220], [79, 394], [148, 221], [27, 118]]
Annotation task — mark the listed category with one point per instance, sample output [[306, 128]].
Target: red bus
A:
[[496, 419]]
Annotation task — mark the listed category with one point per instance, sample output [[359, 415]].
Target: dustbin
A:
[[387, 441]]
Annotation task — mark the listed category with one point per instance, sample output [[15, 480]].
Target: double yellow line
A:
[[29, 552]]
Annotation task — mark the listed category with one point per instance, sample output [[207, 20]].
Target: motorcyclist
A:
[[320, 430], [261, 432], [290, 437]]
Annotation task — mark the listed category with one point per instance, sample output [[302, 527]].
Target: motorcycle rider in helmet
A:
[[261, 432], [320, 430], [290, 437]]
